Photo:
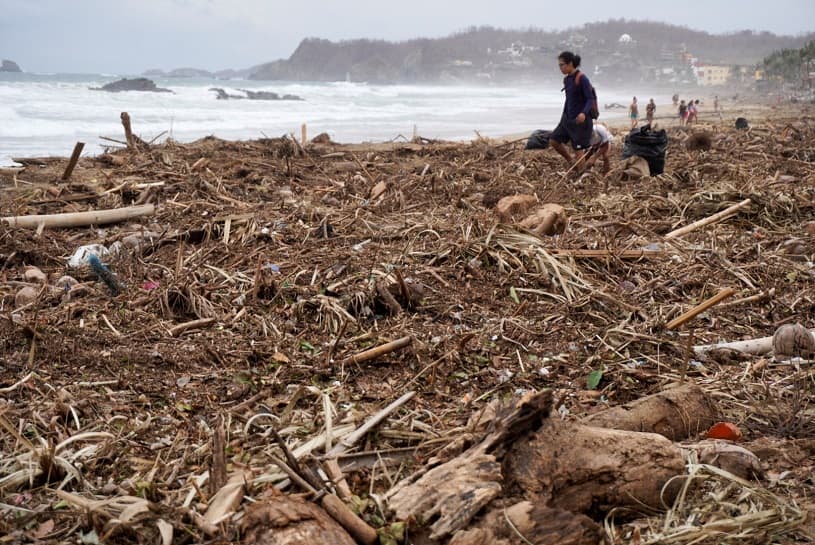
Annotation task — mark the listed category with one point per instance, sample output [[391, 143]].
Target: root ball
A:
[[793, 340]]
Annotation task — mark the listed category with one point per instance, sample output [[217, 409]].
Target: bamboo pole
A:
[[194, 324], [80, 219], [381, 350], [74, 159], [715, 218], [700, 308]]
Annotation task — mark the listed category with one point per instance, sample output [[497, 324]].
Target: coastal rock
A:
[[135, 84], [9, 66], [253, 95]]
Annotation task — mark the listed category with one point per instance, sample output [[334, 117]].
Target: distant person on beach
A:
[[650, 109], [693, 111], [675, 99], [576, 123], [601, 140], [634, 113], [683, 113], [717, 107]]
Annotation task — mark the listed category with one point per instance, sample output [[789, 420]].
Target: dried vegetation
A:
[[236, 348]]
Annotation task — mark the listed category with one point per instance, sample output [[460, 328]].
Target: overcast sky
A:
[[130, 36]]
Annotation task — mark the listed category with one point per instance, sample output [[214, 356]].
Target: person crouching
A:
[[601, 140]]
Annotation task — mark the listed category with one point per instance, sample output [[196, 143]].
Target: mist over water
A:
[[44, 115]]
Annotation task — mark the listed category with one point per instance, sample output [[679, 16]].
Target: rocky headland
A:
[[9, 66], [134, 84]]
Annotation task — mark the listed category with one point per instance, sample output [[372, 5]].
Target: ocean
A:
[[46, 114]]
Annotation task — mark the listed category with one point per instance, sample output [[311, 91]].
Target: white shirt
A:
[[601, 135]]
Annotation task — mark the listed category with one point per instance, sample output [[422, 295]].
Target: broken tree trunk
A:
[[455, 491], [80, 219], [125, 117], [676, 413], [585, 469]]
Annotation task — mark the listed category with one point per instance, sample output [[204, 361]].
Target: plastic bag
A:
[[650, 145], [538, 140]]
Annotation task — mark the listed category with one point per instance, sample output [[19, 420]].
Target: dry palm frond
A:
[[512, 250], [326, 311], [50, 462]]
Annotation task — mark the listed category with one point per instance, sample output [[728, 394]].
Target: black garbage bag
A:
[[538, 140], [742, 124], [648, 144]]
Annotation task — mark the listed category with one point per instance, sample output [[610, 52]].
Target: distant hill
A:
[[621, 50], [196, 73]]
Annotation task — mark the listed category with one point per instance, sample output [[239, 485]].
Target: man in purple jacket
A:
[[576, 123]]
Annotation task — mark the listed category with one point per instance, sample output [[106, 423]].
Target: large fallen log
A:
[[454, 492], [585, 469], [80, 219], [677, 413]]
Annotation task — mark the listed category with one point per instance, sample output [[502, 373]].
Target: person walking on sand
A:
[[650, 109], [691, 115], [675, 99], [683, 113], [575, 123], [634, 113], [601, 140]]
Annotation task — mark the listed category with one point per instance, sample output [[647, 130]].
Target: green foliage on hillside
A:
[[488, 52], [790, 64]]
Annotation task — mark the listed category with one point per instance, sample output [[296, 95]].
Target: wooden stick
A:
[[381, 350], [334, 472], [700, 308], [752, 299], [358, 528], [125, 117], [80, 219], [303, 134], [351, 439], [334, 506], [181, 328], [757, 347], [72, 163], [715, 218]]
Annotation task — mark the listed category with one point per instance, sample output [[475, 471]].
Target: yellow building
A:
[[712, 75]]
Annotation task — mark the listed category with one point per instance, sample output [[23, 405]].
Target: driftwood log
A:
[[565, 469], [585, 469], [455, 491], [677, 413]]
